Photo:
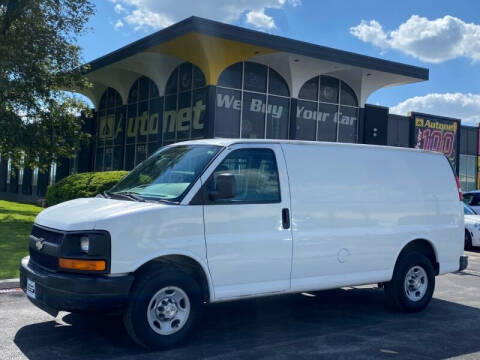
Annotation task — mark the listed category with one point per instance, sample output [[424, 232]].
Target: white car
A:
[[472, 227], [472, 199], [218, 220]]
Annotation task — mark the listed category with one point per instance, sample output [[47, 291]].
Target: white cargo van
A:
[[216, 220]]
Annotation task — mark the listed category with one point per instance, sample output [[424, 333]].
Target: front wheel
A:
[[163, 308], [412, 284]]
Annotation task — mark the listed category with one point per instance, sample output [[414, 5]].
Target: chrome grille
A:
[[47, 235], [47, 261]]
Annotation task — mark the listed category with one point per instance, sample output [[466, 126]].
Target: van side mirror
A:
[[226, 187]]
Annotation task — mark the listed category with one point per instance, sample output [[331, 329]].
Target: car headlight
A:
[[84, 244], [86, 251], [476, 225]]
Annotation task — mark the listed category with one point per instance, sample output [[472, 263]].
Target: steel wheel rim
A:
[[168, 310], [416, 283]]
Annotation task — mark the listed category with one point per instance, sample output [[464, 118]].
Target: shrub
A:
[[82, 185]]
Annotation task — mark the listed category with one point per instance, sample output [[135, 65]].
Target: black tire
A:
[[468, 240], [395, 291], [145, 287]]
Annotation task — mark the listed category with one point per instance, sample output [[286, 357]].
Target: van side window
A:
[[256, 176]]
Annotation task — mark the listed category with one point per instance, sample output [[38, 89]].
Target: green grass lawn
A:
[[16, 222]]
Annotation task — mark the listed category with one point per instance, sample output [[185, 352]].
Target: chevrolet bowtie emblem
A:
[[39, 244]]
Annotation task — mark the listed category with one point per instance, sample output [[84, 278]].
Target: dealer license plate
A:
[[31, 288]]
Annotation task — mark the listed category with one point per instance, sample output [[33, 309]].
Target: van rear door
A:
[[248, 236]]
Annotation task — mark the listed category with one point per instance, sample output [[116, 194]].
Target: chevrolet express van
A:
[[217, 220]]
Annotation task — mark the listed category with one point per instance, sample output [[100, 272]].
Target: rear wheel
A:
[[468, 240], [163, 308], [412, 284]]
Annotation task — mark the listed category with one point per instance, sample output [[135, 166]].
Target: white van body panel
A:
[[356, 210], [353, 208]]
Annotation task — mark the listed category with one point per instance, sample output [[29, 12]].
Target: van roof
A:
[[228, 142]]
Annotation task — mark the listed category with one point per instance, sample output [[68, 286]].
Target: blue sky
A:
[[441, 35]]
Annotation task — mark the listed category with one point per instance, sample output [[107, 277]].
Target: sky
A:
[[441, 35]]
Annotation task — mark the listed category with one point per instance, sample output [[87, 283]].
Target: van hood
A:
[[83, 214]]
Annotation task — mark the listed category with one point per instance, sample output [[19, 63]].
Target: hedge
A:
[[82, 185]]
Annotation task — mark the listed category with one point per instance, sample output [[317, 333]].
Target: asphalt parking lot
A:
[[339, 324]]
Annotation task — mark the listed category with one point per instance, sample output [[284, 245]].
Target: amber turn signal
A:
[[86, 265]]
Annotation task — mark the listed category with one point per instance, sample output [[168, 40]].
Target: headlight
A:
[[86, 251], [476, 225], [84, 244]]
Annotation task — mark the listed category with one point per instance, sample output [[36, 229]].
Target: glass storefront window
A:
[[185, 105], [276, 84], [125, 132], [255, 77], [329, 89], [142, 124], [327, 122], [347, 124], [468, 172], [231, 77], [252, 101], [306, 120], [277, 121], [309, 90], [253, 124], [327, 110], [110, 131], [228, 113]]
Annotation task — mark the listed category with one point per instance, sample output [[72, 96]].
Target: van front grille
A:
[[47, 261], [47, 235]]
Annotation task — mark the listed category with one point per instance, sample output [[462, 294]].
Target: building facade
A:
[[202, 79]]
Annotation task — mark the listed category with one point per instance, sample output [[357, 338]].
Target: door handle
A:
[[286, 218]]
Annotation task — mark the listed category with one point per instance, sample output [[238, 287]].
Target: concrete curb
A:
[[9, 284]]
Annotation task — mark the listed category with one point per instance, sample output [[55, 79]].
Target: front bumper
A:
[[74, 292], [463, 262]]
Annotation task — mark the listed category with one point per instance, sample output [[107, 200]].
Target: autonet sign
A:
[[147, 124], [437, 134]]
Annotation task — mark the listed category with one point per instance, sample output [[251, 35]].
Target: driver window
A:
[[256, 176]]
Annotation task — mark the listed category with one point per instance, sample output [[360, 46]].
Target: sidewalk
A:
[[9, 284]]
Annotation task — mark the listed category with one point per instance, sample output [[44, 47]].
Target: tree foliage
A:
[[40, 59]]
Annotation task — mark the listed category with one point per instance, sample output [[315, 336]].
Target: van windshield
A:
[[167, 174]]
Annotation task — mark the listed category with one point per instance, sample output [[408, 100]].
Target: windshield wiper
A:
[[128, 195], [164, 201]]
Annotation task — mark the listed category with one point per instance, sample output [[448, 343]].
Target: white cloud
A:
[[154, 14], [432, 41], [141, 19], [260, 20], [119, 9], [371, 32], [118, 25], [457, 105]]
